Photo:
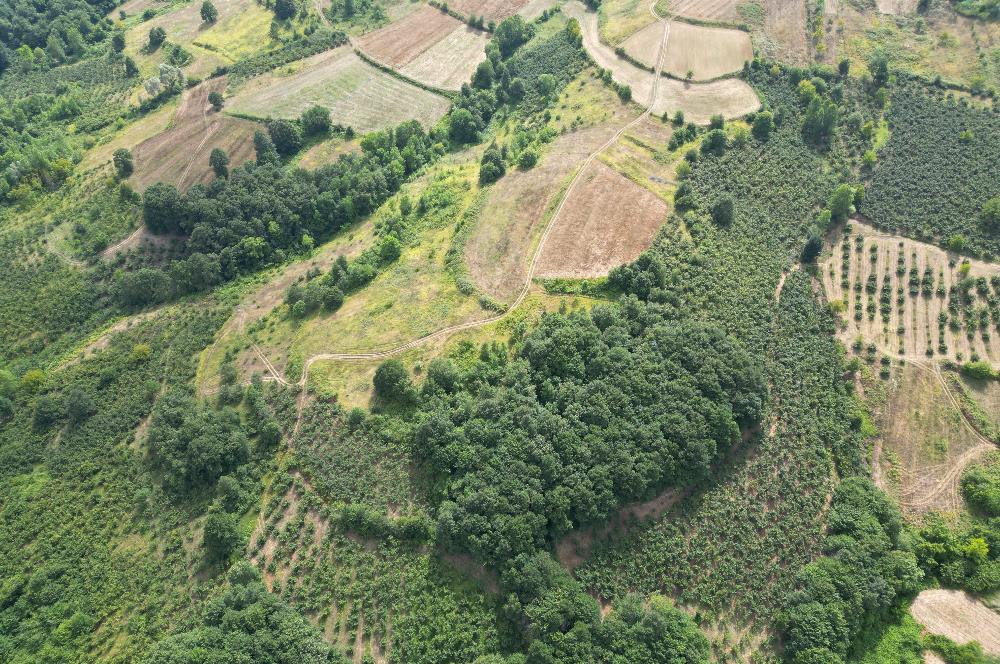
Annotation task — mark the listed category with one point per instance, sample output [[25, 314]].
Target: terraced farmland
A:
[[357, 94]]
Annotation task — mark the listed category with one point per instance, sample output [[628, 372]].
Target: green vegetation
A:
[[943, 193]]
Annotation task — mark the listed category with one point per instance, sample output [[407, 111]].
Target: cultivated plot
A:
[[704, 52], [709, 10], [401, 42], [700, 101], [911, 298], [450, 62], [180, 154], [490, 10], [357, 94], [499, 249], [621, 18], [958, 616], [607, 221]]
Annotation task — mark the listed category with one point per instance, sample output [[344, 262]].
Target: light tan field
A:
[[706, 52], [897, 7], [784, 33], [731, 98], [357, 94], [400, 43], [451, 61], [490, 10], [327, 152], [534, 8], [926, 443], [500, 246], [918, 315], [180, 154], [712, 10], [608, 221], [958, 616]]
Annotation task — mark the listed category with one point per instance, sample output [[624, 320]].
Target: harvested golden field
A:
[[499, 249], [705, 52], [357, 94], [180, 154], [607, 221], [712, 10], [450, 62], [904, 296], [400, 43], [926, 444], [490, 10], [731, 98], [958, 616]]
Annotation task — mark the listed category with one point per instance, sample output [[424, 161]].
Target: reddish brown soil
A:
[[490, 10], [180, 154], [401, 42], [608, 221]]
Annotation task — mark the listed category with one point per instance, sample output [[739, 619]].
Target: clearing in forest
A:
[[607, 221], [926, 444], [912, 299], [958, 616], [705, 52], [731, 98], [499, 248], [490, 10], [357, 94], [451, 61], [180, 154]]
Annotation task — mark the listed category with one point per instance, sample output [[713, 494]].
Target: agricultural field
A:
[[131, 135], [242, 28], [620, 19], [958, 616], [711, 10], [705, 52], [201, 129], [428, 46], [516, 210], [449, 63], [642, 155], [925, 443], [489, 10], [357, 94], [729, 97], [913, 299], [607, 221]]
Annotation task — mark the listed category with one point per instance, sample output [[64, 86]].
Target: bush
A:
[[157, 36], [222, 536], [286, 136], [122, 159], [316, 121], [491, 167], [392, 382], [981, 370]]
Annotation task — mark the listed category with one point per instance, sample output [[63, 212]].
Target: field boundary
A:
[[401, 76]]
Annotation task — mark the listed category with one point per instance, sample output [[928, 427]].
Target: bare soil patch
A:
[[712, 10], [958, 616], [490, 10], [608, 221], [896, 7], [700, 101], [451, 61], [357, 94], [499, 248], [401, 42], [926, 444], [180, 154], [913, 324], [706, 52]]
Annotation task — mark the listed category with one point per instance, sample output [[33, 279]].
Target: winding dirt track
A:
[[447, 331]]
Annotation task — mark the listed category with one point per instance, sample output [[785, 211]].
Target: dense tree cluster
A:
[[845, 596], [246, 624], [595, 411], [62, 28]]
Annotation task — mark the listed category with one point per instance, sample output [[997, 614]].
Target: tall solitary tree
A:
[[209, 14], [122, 159], [219, 161]]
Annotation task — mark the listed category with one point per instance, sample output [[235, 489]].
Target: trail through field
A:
[[532, 267]]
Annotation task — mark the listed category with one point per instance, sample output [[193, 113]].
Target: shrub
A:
[[122, 159], [316, 121], [392, 382]]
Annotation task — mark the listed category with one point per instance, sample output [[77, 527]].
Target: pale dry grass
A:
[[958, 616], [451, 61], [706, 52], [490, 10], [400, 43]]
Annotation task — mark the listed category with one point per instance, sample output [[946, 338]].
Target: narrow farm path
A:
[[525, 289]]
